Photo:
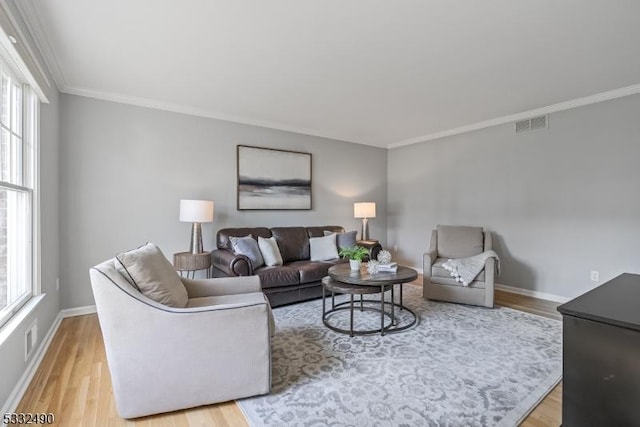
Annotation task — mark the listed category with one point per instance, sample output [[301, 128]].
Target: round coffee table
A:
[[343, 280]]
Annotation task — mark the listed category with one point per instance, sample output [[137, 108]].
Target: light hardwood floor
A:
[[73, 381]]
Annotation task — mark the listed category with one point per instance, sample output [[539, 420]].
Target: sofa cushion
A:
[[437, 270], [344, 240], [323, 248], [148, 270], [293, 243], [459, 241], [248, 247], [222, 236], [311, 271], [270, 251], [271, 277]]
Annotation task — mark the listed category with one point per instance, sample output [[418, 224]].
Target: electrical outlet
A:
[[395, 248], [595, 276], [57, 283]]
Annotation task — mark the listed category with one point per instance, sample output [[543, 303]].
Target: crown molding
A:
[[200, 112], [183, 109], [554, 108], [32, 19]]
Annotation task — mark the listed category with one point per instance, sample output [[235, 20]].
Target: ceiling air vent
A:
[[533, 123]]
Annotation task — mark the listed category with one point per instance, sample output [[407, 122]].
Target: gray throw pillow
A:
[[147, 269], [248, 247], [344, 240]]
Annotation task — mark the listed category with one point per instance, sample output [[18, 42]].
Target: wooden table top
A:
[[343, 273]]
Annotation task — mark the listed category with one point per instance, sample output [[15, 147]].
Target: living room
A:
[[143, 117]]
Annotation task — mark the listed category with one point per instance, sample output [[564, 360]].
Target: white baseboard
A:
[[534, 294], [21, 387], [520, 291], [78, 311]]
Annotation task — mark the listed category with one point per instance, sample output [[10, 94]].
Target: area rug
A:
[[459, 366]]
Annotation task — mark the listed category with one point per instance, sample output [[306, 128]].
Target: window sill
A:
[[14, 323]]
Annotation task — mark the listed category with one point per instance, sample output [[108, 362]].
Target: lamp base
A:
[[196, 239], [365, 229]]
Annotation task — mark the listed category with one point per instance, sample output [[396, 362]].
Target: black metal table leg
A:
[[382, 310], [393, 307], [351, 322], [324, 310]]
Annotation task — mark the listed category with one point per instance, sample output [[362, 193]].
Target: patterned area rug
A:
[[460, 366]]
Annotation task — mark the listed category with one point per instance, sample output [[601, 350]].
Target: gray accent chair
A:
[[163, 359], [449, 241]]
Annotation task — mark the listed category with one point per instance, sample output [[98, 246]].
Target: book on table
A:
[[391, 267]]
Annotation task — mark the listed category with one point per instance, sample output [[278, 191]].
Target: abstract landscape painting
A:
[[273, 179]]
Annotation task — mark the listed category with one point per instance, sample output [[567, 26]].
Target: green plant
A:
[[355, 253]]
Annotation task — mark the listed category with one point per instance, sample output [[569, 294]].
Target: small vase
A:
[[355, 264]]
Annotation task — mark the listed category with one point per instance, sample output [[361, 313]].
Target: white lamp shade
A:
[[196, 211], [364, 210]]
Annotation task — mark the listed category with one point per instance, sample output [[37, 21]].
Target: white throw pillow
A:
[[270, 251], [147, 269], [323, 248]]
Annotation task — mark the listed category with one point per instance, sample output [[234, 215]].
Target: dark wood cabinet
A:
[[601, 355]]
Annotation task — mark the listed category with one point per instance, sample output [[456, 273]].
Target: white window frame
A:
[[30, 134]]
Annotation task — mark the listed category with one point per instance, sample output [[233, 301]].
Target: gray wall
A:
[[562, 201], [125, 168], [12, 363]]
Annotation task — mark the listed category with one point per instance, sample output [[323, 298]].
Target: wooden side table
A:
[[187, 262]]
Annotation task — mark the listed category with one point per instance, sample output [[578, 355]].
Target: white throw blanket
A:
[[464, 270]]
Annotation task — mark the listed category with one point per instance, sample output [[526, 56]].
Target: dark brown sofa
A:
[[298, 279]]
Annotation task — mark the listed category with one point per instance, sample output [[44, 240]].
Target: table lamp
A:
[[196, 212], [364, 210]]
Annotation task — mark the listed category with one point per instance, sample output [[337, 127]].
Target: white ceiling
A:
[[375, 72]]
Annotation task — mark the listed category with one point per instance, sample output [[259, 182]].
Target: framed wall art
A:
[[271, 179]]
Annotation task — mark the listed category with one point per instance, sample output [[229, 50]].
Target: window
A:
[[18, 110]]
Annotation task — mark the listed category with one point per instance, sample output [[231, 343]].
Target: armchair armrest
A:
[[226, 347], [221, 286], [488, 241], [489, 281], [490, 271], [230, 263], [429, 258]]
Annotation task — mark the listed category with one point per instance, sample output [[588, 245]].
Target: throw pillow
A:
[[270, 251], [147, 269], [344, 240], [248, 247], [323, 248]]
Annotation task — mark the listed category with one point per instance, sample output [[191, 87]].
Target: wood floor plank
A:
[[74, 383]]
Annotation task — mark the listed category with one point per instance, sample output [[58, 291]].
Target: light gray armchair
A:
[[164, 358], [458, 242]]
